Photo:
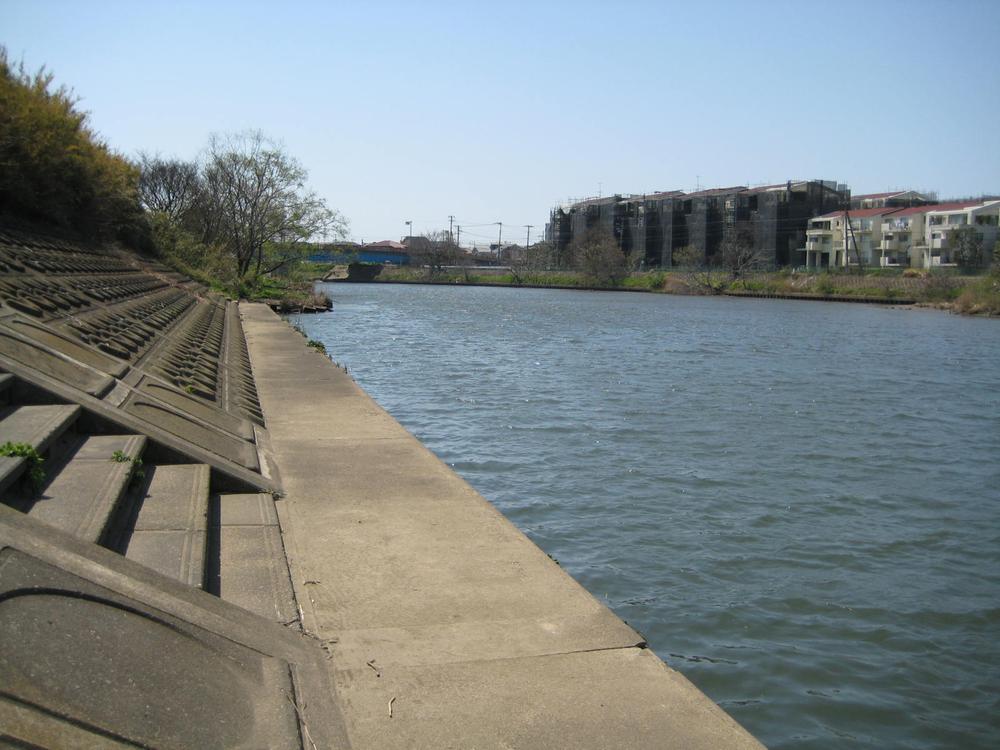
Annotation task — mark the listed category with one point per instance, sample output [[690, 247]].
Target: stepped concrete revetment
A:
[[210, 537]]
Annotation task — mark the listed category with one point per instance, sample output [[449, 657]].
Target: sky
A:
[[423, 110]]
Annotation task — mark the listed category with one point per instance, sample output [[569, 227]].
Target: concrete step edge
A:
[[249, 561], [38, 425], [91, 516], [170, 532]]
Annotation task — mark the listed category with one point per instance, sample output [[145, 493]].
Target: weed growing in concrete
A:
[[136, 472], [36, 474], [317, 345]]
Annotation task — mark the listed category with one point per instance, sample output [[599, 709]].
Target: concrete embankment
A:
[[445, 625]]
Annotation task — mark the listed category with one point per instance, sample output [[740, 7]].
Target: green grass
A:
[[36, 474], [652, 280], [981, 297]]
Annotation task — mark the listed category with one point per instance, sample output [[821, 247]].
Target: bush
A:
[[981, 297], [36, 474], [55, 169], [600, 259], [941, 287]]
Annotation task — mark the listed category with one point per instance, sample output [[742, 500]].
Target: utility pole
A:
[[451, 235], [857, 255], [458, 242], [499, 240], [527, 240]]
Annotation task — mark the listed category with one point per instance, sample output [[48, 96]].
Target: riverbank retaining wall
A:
[[231, 545]]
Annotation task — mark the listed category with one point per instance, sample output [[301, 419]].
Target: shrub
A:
[[36, 474], [824, 285], [982, 297], [55, 169]]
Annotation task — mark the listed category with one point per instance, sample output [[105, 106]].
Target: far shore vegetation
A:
[[946, 290], [242, 219], [596, 262]]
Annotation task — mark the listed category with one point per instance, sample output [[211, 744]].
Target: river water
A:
[[797, 503]]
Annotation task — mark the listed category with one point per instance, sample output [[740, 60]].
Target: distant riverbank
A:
[[947, 290]]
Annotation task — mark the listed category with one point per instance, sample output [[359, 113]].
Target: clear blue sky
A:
[[420, 110]]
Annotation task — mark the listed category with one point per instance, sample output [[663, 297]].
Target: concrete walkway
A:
[[446, 626]]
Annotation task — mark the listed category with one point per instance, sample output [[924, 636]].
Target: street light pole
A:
[[409, 230]]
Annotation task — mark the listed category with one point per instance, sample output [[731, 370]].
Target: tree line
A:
[[245, 204], [242, 209]]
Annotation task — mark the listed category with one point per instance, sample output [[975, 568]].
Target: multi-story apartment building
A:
[[654, 226], [896, 199], [830, 243], [921, 236], [917, 236]]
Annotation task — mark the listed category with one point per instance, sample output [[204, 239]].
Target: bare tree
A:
[[598, 256], [434, 250], [254, 196], [738, 255], [168, 186], [696, 270], [537, 257]]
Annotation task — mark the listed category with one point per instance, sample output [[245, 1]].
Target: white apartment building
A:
[[830, 245], [919, 237], [916, 237]]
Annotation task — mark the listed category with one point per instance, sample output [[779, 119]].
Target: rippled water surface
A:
[[797, 503]]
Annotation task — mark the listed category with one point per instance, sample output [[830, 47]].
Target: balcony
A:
[[897, 225]]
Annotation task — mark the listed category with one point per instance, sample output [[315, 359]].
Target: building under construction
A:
[[656, 225]]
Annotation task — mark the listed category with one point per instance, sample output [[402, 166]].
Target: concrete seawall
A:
[[444, 625]]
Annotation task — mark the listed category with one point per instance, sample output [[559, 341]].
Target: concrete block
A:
[[209, 438], [38, 425], [85, 491], [169, 535], [39, 357], [253, 573], [96, 651]]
